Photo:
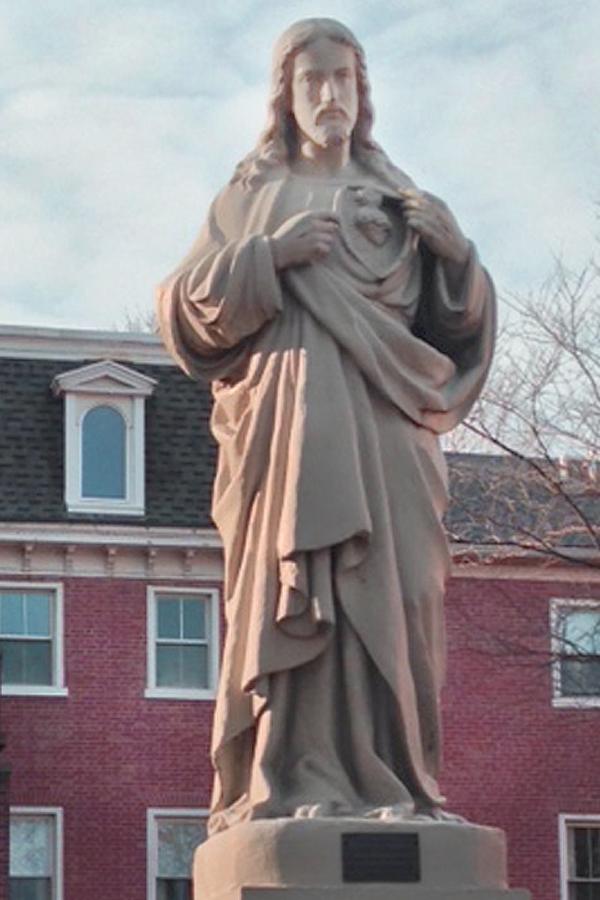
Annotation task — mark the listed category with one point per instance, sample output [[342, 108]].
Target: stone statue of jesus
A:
[[345, 322]]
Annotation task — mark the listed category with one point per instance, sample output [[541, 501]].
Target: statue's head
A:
[[332, 110], [292, 110]]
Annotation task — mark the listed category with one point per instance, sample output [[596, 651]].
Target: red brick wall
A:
[[104, 753], [4, 807], [511, 759]]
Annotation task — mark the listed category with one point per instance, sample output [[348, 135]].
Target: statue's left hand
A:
[[431, 218]]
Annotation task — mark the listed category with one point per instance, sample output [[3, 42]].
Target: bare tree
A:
[[540, 417], [138, 320]]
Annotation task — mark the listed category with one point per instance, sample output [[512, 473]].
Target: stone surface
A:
[[302, 859], [344, 321]]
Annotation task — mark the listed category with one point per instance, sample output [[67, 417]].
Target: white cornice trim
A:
[[104, 377], [27, 342], [110, 535]]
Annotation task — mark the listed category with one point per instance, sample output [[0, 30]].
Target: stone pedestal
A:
[[353, 859]]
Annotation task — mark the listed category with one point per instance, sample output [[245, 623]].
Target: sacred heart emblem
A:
[[373, 228]]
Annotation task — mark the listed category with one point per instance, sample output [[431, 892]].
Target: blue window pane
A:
[[581, 632], [184, 666], [168, 666], [12, 614], [103, 454], [194, 666], [194, 625], [168, 618], [26, 662], [37, 615]]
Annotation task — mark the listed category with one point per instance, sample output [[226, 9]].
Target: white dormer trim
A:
[[104, 383], [106, 377]]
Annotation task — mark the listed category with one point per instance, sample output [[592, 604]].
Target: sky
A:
[[120, 120]]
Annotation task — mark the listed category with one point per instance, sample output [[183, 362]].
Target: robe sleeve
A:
[[456, 318], [457, 311], [224, 291]]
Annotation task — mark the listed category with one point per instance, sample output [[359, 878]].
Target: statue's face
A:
[[324, 92]]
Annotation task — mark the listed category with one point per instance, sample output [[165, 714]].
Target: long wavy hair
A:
[[278, 143]]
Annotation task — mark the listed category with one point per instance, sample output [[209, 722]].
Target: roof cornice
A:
[[28, 342]]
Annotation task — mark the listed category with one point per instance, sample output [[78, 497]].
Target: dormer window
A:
[[103, 454], [104, 438]]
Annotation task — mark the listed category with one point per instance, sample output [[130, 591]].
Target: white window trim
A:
[[557, 606], [162, 693], [105, 384], [57, 813], [57, 689], [152, 815], [564, 821]]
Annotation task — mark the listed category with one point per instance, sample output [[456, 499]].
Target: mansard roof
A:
[[180, 453]]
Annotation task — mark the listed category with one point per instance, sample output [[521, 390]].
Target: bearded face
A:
[[325, 93]]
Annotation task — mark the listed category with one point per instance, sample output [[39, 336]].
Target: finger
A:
[[422, 222], [326, 215], [326, 231], [322, 248], [409, 193]]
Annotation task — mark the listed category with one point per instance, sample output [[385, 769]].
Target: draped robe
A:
[[331, 386]]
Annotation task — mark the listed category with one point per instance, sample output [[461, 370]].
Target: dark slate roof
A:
[[542, 504], [180, 453], [493, 499]]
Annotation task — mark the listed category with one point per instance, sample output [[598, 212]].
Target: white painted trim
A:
[[31, 342], [564, 821], [131, 408], [110, 535], [57, 688], [152, 815], [558, 604], [56, 812], [35, 690], [104, 377], [153, 692]]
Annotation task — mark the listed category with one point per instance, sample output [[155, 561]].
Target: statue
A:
[[345, 322]]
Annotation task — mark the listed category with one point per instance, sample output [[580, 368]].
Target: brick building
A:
[[110, 581]]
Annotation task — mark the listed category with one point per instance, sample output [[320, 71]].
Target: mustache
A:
[[331, 110]]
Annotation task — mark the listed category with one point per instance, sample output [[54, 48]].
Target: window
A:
[[580, 857], [104, 437], [182, 643], [173, 835], [35, 867], [31, 639], [103, 454], [575, 626]]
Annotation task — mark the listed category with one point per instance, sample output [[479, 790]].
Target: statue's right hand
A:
[[304, 238]]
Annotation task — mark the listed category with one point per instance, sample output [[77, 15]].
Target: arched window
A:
[[103, 452], [104, 438]]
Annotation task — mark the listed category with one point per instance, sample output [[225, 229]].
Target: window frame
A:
[[558, 605], [58, 687], [152, 815], [125, 390], [56, 813], [153, 691], [566, 821]]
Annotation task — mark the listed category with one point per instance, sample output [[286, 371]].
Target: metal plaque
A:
[[381, 857]]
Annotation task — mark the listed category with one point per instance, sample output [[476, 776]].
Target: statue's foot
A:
[[329, 809], [437, 814]]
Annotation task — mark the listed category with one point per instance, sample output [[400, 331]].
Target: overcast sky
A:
[[119, 120]]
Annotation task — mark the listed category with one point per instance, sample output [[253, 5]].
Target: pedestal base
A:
[[353, 859]]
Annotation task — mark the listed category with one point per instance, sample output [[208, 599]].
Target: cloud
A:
[[120, 121]]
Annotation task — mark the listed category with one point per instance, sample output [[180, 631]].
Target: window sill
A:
[[576, 702], [179, 694], [33, 690], [105, 509]]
